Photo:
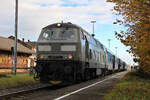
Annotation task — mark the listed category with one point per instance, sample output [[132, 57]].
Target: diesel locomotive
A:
[[67, 53]]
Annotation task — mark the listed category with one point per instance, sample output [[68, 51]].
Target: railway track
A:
[[17, 91]]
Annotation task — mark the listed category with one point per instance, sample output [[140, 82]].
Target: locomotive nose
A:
[[68, 69], [57, 70], [57, 51]]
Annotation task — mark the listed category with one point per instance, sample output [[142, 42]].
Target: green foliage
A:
[[136, 17], [19, 79], [131, 87]]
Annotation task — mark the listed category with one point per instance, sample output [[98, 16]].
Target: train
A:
[[67, 53]]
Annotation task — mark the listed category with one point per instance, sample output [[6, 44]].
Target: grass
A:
[[18, 80], [131, 87]]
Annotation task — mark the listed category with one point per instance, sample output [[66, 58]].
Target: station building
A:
[[24, 56]]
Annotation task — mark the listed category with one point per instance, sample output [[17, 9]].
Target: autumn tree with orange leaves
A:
[[135, 15]]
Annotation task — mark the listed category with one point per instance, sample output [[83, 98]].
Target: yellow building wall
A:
[[8, 60]]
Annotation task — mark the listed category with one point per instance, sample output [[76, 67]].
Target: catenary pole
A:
[[16, 33], [109, 42], [116, 50]]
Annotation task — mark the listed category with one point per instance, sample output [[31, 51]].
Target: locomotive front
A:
[[57, 50]]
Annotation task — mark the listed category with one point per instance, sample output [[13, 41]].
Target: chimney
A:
[[29, 41], [23, 40]]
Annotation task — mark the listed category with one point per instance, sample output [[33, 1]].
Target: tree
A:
[[135, 15]]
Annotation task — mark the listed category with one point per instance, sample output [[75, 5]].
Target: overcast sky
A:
[[35, 14]]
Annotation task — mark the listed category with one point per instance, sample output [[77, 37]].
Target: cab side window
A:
[[82, 35], [90, 54]]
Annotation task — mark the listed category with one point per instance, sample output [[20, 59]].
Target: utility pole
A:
[[93, 25], [16, 40], [109, 42]]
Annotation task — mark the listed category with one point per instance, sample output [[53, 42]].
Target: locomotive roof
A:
[[67, 25], [70, 25], [63, 25]]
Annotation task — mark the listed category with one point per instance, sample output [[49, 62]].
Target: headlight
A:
[[70, 57], [41, 57]]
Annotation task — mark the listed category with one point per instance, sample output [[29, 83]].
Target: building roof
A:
[[21, 42], [31, 43], [7, 43]]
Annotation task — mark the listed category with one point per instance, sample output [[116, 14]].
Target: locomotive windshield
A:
[[55, 34]]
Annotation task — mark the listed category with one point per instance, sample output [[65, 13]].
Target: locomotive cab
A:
[[57, 52]]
